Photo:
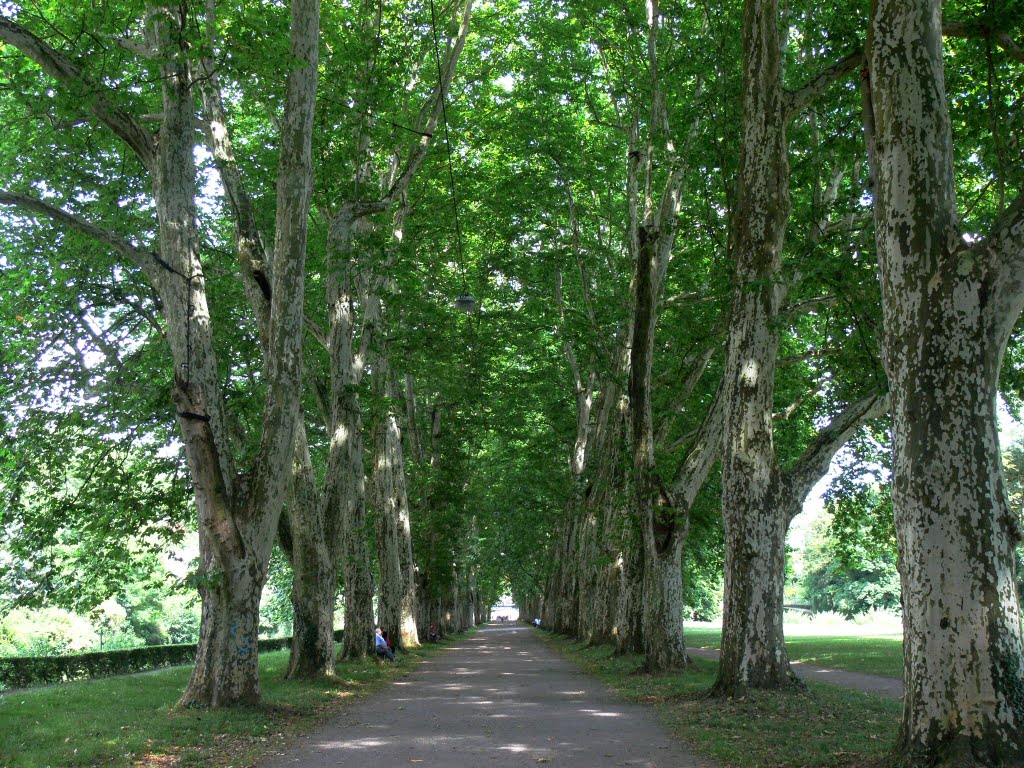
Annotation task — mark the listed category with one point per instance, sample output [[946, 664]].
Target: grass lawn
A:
[[824, 727], [870, 655], [131, 720]]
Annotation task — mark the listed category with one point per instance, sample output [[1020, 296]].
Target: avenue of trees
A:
[[708, 246]]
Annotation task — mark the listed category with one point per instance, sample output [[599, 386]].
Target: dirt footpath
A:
[[500, 698]]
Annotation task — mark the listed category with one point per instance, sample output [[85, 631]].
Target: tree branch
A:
[[697, 364], [797, 101], [254, 265], [703, 453], [148, 262], [813, 464], [1005, 247], [1002, 39], [93, 95], [431, 111]]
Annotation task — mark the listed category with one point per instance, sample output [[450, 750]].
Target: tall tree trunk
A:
[[345, 482], [753, 649], [588, 568], [346, 478], [653, 224], [948, 310], [304, 531], [629, 635], [662, 533], [315, 575], [344, 495], [471, 597], [242, 538], [395, 546]]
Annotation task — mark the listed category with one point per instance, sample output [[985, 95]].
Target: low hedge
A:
[[25, 671]]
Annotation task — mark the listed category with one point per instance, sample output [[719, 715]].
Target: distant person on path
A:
[[381, 646], [434, 636], [536, 622]]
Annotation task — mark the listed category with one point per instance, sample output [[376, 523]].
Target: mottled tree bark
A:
[[758, 501], [344, 498], [243, 553], [629, 634], [397, 604], [663, 533], [346, 488], [653, 224], [753, 650], [315, 574], [949, 306]]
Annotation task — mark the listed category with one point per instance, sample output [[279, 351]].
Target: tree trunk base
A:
[[961, 752], [647, 668], [786, 683]]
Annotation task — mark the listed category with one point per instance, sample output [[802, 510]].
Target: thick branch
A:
[[813, 464], [570, 354], [148, 262], [697, 364], [281, 412], [93, 95], [797, 101], [252, 256], [1005, 246], [997, 36], [704, 452], [577, 250], [432, 110]]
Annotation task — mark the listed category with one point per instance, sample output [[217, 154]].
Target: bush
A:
[[49, 631], [183, 623], [24, 671], [851, 592]]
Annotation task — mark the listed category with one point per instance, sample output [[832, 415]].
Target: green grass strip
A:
[[869, 655], [823, 727], [131, 720]]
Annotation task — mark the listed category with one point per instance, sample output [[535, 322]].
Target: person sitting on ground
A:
[[434, 635], [536, 622], [381, 647]]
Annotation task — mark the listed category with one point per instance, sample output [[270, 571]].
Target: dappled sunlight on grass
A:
[[158, 761]]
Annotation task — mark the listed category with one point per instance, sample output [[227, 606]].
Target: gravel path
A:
[[884, 686], [499, 698]]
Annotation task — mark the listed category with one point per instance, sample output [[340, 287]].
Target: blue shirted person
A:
[[381, 647]]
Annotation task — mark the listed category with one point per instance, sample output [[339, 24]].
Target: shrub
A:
[[24, 671]]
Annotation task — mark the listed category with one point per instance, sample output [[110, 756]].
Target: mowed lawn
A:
[[131, 720], [873, 655]]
